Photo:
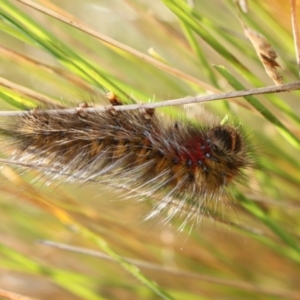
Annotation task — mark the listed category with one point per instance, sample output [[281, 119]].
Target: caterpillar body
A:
[[183, 163]]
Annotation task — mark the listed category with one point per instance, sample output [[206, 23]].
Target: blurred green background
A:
[[249, 251]]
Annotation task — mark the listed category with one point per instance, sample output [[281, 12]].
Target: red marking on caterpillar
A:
[[185, 168]]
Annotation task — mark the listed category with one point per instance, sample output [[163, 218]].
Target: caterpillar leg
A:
[[113, 99], [148, 113], [80, 109]]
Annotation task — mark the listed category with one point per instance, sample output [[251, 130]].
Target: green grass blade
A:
[[75, 283], [64, 54], [288, 239], [206, 67], [285, 132]]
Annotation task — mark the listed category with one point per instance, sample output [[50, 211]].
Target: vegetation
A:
[[63, 53]]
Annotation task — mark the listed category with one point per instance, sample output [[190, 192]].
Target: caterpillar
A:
[[181, 164]]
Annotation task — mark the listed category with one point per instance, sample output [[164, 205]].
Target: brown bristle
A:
[[189, 163]]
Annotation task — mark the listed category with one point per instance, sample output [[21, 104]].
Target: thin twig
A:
[[12, 296], [181, 101], [17, 56], [81, 26], [170, 270], [30, 93], [295, 32]]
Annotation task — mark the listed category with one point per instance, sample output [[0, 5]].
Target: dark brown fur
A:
[[193, 164]]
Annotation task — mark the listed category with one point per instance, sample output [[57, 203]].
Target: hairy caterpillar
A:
[[181, 164]]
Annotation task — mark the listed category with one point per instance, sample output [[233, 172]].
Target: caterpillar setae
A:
[[181, 164]]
